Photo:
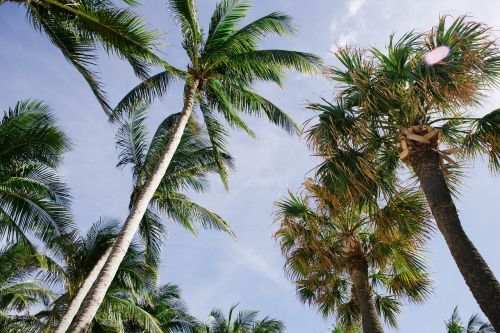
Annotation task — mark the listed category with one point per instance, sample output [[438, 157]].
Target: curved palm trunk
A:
[[358, 269], [475, 271], [97, 292], [75, 303]]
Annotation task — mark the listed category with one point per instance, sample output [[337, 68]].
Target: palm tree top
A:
[[226, 61], [390, 101], [319, 234]]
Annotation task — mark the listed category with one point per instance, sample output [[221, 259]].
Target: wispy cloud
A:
[[258, 263], [355, 6]]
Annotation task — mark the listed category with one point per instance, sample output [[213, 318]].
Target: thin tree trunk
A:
[[475, 271], [358, 269], [96, 294], [77, 300]]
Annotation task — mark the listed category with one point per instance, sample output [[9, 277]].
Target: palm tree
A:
[[474, 325], [244, 322], [33, 200], [192, 162], [78, 27], [353, 261], [394, 110], [223, 68]]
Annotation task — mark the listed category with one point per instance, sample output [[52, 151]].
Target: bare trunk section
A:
[[475, 271], [96, 294], [358, 269], [77, 300]]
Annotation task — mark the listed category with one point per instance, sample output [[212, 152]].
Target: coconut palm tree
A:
[[394, 110], [192, 162], [77, 28], [474, 325], [223, 67], [353, 261], [244, 322], [33, 200]]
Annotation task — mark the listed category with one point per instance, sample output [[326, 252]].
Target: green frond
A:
[[484, 138], [252, 103], [153, 234], [189, 214], [227, 15], [76, 29], [131, 140], [218, 99], [184, 12], [218, 139], [29, 133], [144, 93], [388, 307], [248, 37], [130, 311]]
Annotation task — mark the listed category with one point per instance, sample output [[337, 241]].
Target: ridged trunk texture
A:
[[475, 271], [77, 300], [358, 269], [96, 294]]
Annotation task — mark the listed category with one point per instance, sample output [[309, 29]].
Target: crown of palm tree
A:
[[318, 234], [33, 200], [224, 64], [390, 100]]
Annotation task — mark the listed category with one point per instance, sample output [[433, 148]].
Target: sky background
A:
[[212, 269]]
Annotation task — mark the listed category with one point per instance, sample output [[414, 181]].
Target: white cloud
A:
[[355, 6]]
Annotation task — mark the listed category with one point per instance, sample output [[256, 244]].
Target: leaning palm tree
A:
[[395, 110], [243, 322], [219, 79], [474, 325], [192, 162], [77, 28], [33, 200], [356, 263]]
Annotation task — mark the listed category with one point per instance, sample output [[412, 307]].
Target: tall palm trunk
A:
[[475, 271], [358, 269], [77, 300], [96, 294]]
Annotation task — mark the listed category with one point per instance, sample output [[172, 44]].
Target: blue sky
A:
[[213, 270]]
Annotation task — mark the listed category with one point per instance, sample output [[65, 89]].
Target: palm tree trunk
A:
[[358, 269], [475, 271], [77, 300], [96, 294]]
